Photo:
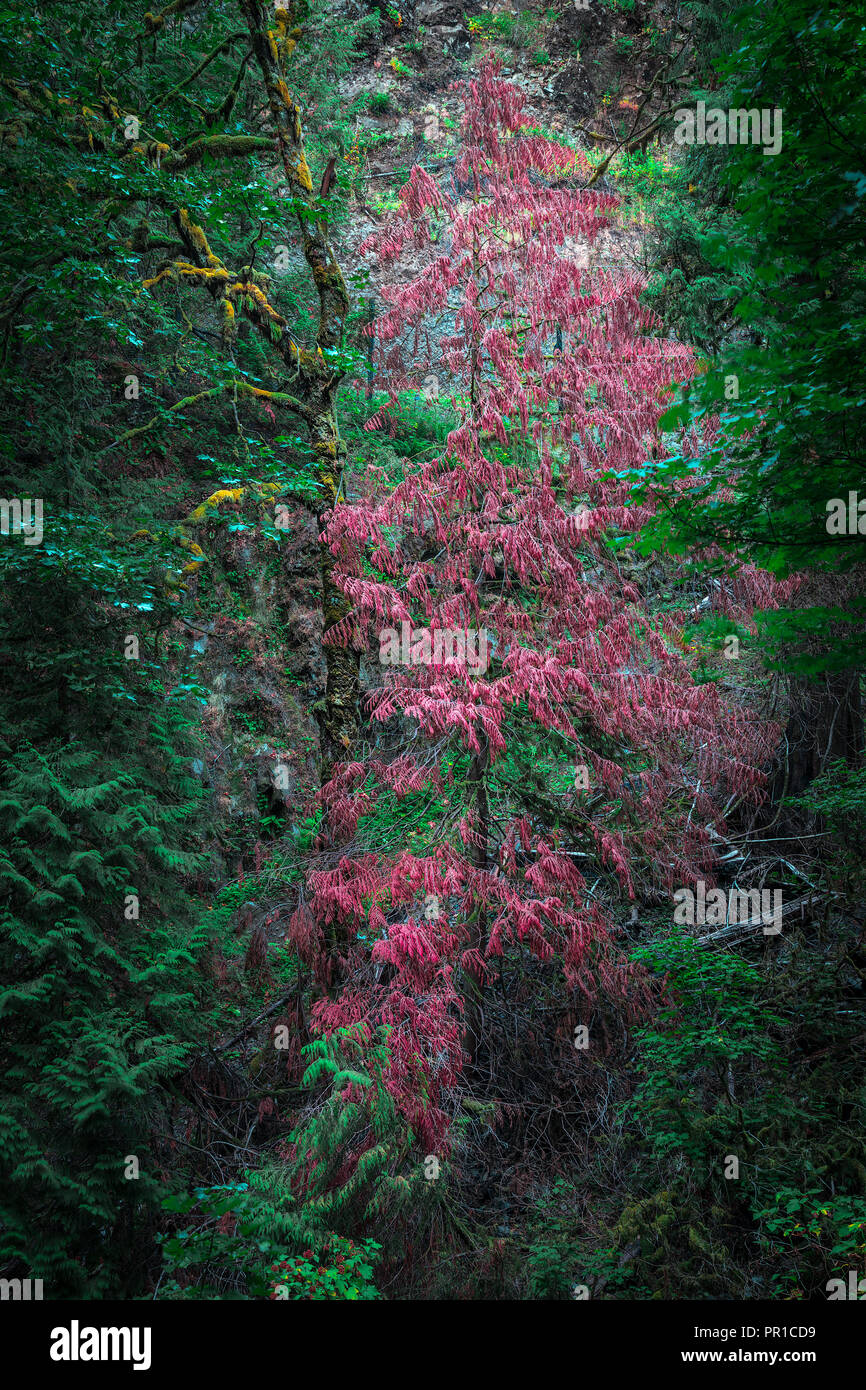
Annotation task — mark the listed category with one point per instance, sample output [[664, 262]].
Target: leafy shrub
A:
[[223, 1253], [343, 1274], [811, 1237]]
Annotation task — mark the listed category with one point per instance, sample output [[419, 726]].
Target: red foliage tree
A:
[[513, 533]]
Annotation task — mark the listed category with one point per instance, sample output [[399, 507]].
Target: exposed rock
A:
[[576, 26], [454, 40], [572, 87], [434, 14]]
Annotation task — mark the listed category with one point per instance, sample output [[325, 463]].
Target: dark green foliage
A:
[[762, 1064], [350, 1160], [775, 244], [343, 1171], [715, 1026], [99, 1000]]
